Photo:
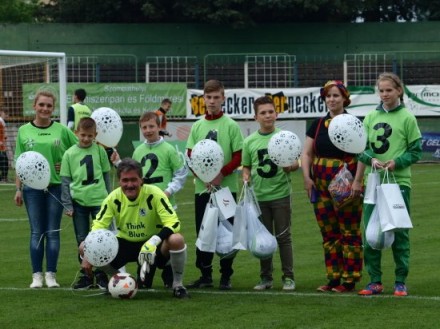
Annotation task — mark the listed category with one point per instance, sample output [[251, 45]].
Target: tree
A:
[[17, 11], [233, 13]]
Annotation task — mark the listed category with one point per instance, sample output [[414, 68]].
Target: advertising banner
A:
[[128, 99], [303, 103]]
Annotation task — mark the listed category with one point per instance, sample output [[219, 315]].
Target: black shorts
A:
[[129, 251]]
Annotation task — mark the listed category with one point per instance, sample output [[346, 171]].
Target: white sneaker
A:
[[288, 284], [51, 281], [37, 280], [264, 284]]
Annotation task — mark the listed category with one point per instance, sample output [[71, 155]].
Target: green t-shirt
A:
[[269, 181], [389, 134], [86, 167], [226, 132], [80, 111], [159, 162], [140, 219], [50, 141]]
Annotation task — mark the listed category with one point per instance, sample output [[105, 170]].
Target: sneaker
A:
[[373, 288], [400, 289], [202, 282], [84, 283], [288, 284], [51, 281], [329, 286], [180, 292], [264, 284], [343, 288], [37, 280], [225, 284], [101, 281]]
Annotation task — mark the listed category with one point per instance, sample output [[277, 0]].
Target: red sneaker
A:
[[343, 289], [324, 288]]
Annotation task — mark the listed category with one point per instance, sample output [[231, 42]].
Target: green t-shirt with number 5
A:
[[269, 181]]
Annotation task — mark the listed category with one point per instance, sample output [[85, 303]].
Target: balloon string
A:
[[57, 230]]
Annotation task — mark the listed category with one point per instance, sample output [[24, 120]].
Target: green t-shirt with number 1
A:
[[86, 168]]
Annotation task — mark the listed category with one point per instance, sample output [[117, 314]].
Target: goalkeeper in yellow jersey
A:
[[148, 227]]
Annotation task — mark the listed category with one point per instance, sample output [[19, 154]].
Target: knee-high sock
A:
[[178, 261]]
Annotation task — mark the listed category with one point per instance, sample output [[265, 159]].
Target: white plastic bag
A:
[[224, 246], [391, 206], [207, 238], [374, 235], [239, 229], [261, 243], [373, 181]]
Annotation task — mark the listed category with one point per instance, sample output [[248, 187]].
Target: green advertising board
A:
[[128, 99]]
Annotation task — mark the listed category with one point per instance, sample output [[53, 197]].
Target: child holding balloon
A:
[[43, 206], [394, 143], [217, 126], [272, 186], [85, 184], [321, 160]]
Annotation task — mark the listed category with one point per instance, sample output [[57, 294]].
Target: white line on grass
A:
[[13, 219], [90, 293]]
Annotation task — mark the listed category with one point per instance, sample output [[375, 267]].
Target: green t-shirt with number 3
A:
[[389, 135]]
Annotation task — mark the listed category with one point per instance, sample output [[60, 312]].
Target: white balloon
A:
[[33, 170], [284, 148], [347, 133], [100, 247], [207, 159], [108, 125]]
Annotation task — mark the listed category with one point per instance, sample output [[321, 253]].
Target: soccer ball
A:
[[123, 286]]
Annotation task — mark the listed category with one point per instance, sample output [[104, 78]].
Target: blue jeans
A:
[[81, 221], [44, 211]]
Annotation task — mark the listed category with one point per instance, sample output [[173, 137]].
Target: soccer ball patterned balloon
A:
[[33, 170], [108, 126], [207, 160], [262, 245], [123, 286], [100, 247], [284, 148], [347, 133]]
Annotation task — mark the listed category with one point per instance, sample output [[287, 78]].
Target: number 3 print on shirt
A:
[[382, 145]]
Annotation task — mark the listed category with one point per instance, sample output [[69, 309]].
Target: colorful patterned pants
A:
[[340, 228]]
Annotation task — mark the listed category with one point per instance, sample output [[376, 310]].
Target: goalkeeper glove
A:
[[147, 255]]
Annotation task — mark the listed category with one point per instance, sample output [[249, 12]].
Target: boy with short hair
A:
[[163, 166], [272, 186], [227, 133], [85, 184]]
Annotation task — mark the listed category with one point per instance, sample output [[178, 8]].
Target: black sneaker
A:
[[202, 282], [225, 284], [102, 281], [84, 283], [180, 292]]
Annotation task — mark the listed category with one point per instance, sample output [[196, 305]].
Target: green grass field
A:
[[22, 307]]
